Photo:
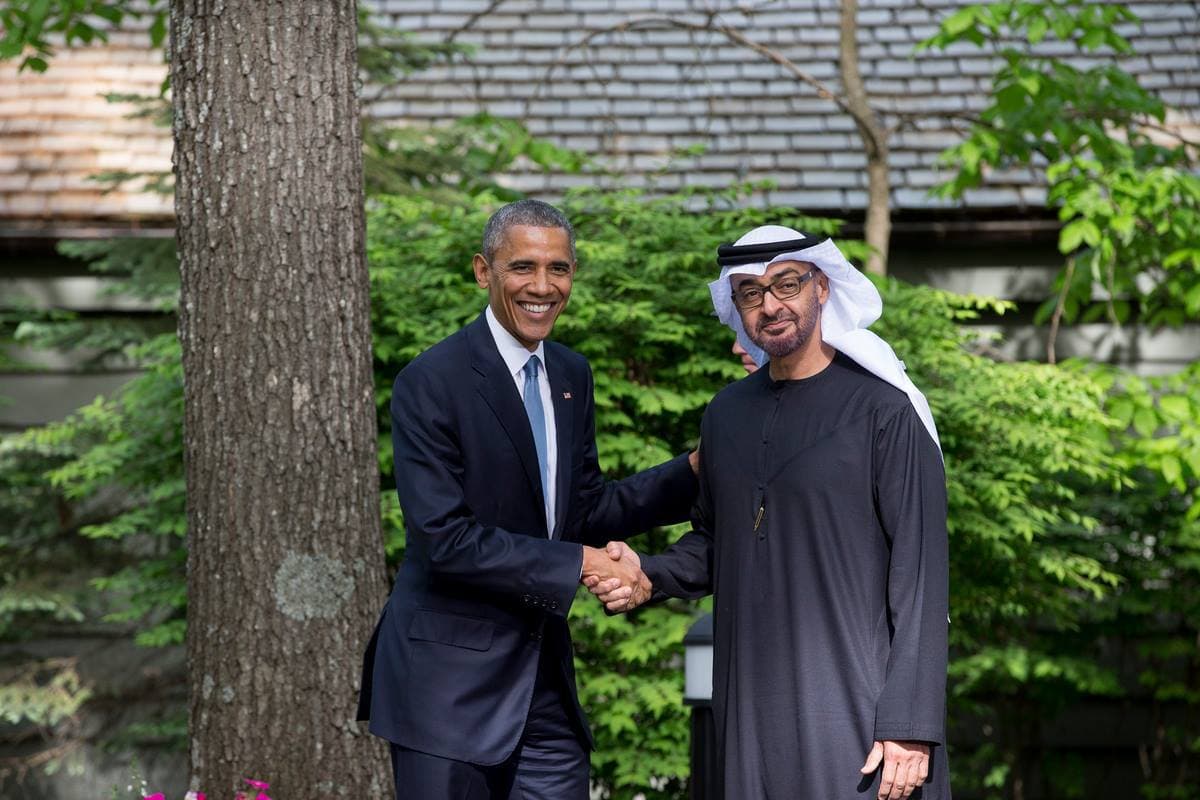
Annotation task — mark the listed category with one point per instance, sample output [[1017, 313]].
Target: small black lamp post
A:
[[697, 693]]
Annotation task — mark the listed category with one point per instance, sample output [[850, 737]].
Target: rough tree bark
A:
[[878, 226], [285, 557]]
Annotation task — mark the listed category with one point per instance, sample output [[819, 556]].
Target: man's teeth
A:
[[535, 308]]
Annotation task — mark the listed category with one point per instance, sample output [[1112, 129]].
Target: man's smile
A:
[[776, 326]]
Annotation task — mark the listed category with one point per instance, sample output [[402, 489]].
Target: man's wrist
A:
[[590, 564]]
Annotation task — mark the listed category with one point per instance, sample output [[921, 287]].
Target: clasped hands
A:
[[614, 575]]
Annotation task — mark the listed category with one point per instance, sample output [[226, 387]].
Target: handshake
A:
[[614, 575]]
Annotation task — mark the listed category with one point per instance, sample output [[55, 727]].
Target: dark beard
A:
[[777, 347]]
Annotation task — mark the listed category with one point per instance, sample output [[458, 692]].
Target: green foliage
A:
[[1124, 184], [35, 598], [45, 693], [1040, 562], [631, 683], [455, 160], [169, 732], [387, 55], [31, 542], [1023, 444], [638, 311], [132, 441], [29, 25], [1156, 533]]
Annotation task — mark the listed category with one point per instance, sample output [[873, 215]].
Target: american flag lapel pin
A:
[[566, 395]]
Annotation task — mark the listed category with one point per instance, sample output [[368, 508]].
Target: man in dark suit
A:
[[470, 674]]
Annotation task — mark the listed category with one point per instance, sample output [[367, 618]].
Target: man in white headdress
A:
[[821, 530]]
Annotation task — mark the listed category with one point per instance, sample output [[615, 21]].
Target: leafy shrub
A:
[[1044, 561]]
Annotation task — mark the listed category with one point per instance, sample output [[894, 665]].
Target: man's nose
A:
[[540, 284], [770, 304]]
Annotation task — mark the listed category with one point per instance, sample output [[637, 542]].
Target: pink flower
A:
[[262, 796], [194, 796], [155, 796], [257, 784]]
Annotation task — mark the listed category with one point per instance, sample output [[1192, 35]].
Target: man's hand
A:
[[694, 461], [905, 767], [615, 577]]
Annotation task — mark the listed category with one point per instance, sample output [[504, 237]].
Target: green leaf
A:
[[158, 29], [1094, 39], [1145, 421], [112, 12], [1038, 27], [1071, 236], [1182, 256], [959, 21], [1121, 409], [1171, 469], [1192, 299], [1175, 407]]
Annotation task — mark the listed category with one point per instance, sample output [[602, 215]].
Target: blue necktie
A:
[[537, 422]]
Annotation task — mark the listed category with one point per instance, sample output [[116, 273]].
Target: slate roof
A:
[[635, 97]]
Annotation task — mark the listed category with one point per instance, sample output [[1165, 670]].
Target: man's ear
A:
[[822, 288], [482, 273]]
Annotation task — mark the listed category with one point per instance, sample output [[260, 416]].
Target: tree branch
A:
[[654, 22], [471, 20], [1056, 319]]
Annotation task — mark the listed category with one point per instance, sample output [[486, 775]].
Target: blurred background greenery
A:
[[1074, 513]]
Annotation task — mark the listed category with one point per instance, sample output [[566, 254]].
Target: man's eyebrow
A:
[[783, 274], [523, 262]]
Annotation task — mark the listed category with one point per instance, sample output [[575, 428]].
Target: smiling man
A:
[[820, 529], [470, 673]]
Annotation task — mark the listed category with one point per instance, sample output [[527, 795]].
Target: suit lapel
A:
[[562, 394], [496, 386]]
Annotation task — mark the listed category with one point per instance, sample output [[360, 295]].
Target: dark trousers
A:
[[549, 763]]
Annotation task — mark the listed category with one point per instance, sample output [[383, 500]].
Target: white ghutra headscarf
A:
[[853, 304]]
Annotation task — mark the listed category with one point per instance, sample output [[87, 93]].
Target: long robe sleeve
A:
[[685, 569], [910, 494]]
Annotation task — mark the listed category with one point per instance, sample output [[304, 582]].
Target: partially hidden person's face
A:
[[748, 361], [781, 327], [528, 280]]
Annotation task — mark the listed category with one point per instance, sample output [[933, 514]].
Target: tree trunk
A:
[[285, 556], [878, 227]]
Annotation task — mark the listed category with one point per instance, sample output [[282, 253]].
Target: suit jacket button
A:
[[553, 604], [526, 599]]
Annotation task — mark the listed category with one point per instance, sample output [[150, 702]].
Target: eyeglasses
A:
[[785, 288]]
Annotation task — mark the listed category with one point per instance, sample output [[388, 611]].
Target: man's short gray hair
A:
[[534, 213]]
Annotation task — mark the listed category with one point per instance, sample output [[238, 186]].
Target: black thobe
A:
[[821, 530]]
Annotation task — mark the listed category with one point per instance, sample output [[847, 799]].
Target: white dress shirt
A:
[[515, 357]]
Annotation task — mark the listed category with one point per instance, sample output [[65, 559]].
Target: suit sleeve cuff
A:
[[905, 732]]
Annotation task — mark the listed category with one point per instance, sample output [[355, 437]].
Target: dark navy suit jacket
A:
[[450, 668]]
